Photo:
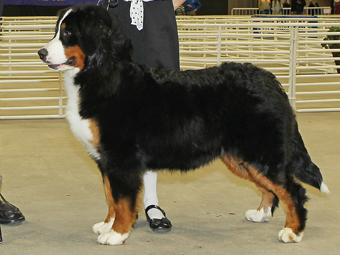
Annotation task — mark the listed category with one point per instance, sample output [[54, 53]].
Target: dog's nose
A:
[[42, 54]]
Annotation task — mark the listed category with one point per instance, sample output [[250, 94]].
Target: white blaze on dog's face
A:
[[63, 52]]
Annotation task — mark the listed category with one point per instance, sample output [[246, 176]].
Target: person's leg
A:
[[150, 194], [156, 46], [1, 7], [154, 214]]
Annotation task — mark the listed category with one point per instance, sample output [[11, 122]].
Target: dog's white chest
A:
[[79, 126]]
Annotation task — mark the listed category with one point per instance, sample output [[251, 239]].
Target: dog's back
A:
[[202, 114]]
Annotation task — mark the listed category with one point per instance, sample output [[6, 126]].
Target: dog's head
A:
[[80, 32]]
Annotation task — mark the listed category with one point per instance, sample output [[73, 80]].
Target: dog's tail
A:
[[305, 170]]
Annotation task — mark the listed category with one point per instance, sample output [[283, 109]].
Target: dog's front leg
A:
[[105, 226], [122, 212]]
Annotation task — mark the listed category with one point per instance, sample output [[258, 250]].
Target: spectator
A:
[[264, 6], [298, 6], [277, 9], [286, 5], [180, 11], [335, 4], [311, 11], [1, 6], [191, 7]]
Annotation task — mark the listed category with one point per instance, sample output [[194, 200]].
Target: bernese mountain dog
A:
[[132, 119]]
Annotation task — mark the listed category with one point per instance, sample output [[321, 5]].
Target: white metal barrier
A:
[[317, 10], [285, 11], [27, 88], [291, 49], [245, 11]]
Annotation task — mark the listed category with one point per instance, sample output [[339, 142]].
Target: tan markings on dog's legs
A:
[[110, 201], [267, 197], [125, 216], [236, 167], [290, 233], [95, 133], [263, 213], [106, 226], [79, 55]]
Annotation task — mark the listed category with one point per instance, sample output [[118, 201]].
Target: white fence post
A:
[[61, 85], [219, 46], [292, 66]]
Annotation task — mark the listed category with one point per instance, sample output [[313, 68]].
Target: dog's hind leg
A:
[[269, 200], [293, 195], [266, 209]]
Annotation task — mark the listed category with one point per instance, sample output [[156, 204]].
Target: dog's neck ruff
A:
[[79, 126]]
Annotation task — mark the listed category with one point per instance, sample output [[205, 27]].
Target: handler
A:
[[151, 26]]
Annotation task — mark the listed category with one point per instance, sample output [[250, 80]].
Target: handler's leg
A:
[[154, 214]]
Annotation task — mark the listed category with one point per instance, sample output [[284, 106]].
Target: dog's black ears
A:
[[91, 36], [93, 29]]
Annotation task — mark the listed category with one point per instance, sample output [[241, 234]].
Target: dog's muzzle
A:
[[43, 54]]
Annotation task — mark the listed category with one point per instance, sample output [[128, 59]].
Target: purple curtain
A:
[[49, 2]]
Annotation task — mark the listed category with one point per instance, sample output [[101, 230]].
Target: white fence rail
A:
[[245, 11], [285, 11], [291, 49], [27, 88]]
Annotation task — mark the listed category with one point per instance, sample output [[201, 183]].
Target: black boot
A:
[[9, 214]]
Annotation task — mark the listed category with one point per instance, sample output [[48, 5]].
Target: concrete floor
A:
[[49, 176]]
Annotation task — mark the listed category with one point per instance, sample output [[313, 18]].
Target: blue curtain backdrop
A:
[[48, 2], [38, 7]]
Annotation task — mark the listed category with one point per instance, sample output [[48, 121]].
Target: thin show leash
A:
[[107, 3]]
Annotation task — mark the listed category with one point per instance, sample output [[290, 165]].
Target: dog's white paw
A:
[[102, 227], [287, 235], [259, 216], [112, 238]]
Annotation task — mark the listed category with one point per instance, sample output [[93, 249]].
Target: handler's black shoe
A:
[[9, 214], [158, 225]]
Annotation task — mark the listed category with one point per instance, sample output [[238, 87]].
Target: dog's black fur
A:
[[163, 119]]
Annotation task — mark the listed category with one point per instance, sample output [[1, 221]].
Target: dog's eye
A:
[[66, 33]]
